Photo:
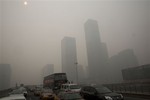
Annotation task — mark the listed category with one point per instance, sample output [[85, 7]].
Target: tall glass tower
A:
[[96, 51], [69, 57]]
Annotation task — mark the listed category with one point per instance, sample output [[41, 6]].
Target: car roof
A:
[[95, 86]]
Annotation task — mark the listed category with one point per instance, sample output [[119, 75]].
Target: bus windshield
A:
[[60, 77]]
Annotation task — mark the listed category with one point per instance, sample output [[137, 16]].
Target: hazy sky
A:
[[32, 34]]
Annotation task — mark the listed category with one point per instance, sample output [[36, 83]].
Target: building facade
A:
[[96, 51], [5, 76], [69, 58], [122, 60]]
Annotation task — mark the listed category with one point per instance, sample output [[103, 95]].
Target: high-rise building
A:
[[69, 57], [122, 60], [96, 51], [81, 74], [5, 76]]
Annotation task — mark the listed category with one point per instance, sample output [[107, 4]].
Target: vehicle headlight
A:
[[108, 98]]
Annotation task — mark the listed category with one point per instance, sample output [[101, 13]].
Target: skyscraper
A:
[[81, 74], [96, 51], [69, 57]]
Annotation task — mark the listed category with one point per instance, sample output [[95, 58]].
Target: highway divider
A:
[[131, 89]]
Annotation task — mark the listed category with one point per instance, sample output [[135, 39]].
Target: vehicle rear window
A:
[[103, 90]]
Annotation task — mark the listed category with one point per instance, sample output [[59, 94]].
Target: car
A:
[[69, 96], [14, 97], [20, 90], [99, 92], [37, 92], [46, 94], [70, 87], [31, 89]]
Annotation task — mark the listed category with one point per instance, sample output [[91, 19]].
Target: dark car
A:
[[37, 92], [99, 93]]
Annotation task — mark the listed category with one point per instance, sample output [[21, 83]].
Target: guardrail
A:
[[130, 88]]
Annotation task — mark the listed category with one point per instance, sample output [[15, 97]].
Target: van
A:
[[70, 87]]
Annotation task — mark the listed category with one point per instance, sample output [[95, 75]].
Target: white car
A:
[[20, 90], [14, 97], [70, 87]]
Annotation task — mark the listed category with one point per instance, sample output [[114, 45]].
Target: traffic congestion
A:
[[68, 91], [57, 87], [76, 93]]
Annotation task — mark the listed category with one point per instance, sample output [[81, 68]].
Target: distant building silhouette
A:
[[96, 52], [69, 57], [48, 70], [81, 74], [87, 75], [87, 71], [5, 76], [124, 59]]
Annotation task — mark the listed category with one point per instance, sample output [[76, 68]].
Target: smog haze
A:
[[31, 35]]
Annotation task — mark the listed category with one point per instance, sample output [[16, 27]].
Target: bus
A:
[[54, 81]]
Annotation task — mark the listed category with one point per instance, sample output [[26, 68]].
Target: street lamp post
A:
[[76, 63]]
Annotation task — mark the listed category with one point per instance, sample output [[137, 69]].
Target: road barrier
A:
[[130, 88]]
